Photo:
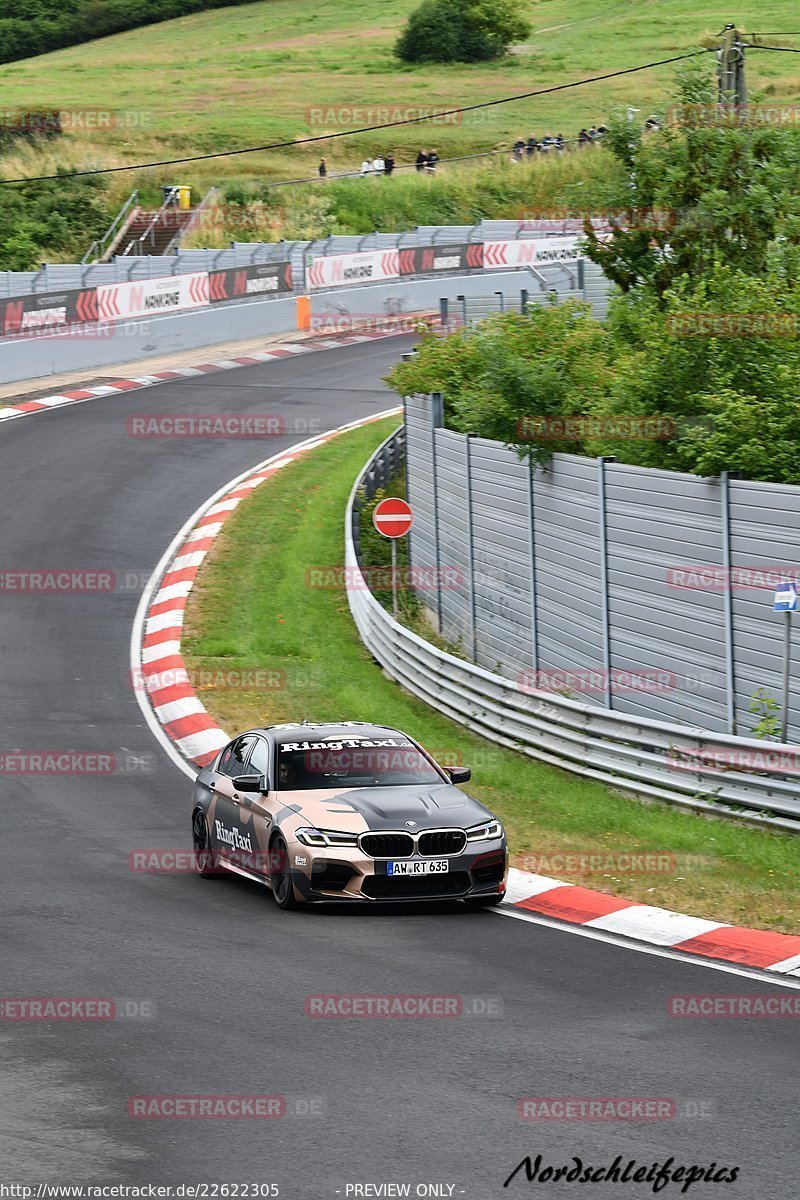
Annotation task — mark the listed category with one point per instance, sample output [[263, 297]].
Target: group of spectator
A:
[[427, 160], [382, 164], [526, 149]]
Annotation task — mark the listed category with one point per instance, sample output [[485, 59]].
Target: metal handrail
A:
[[102, 244], [168, 202], [635, 754], [180, 234]]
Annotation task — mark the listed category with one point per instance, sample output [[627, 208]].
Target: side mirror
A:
[[251, 783], [459, 774]]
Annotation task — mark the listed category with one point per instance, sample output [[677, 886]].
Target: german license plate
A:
[[434, 867]]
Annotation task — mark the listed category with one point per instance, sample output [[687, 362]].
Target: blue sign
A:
[[787, 598]]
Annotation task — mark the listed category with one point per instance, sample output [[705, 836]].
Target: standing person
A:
[[433, 159], [366, 167], [519, 146], [559, 141], [531, 146], [422, 160], [583, 139], [323, 168], [388, 164], [378, 165]]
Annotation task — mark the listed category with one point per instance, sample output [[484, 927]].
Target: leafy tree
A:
[[461, 31], [516, 375], [696, 193]]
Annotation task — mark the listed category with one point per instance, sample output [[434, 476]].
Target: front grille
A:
[[444, 841], [387, 845], [404, 887]]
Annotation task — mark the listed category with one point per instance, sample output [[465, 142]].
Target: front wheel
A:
[[205, 860], [280, 874]]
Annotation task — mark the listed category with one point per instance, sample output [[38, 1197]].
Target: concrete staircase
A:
[[150, 233]]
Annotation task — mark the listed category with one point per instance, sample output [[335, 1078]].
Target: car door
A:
[[254, 811], [225, 818]]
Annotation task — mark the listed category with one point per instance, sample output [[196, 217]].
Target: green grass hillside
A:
[[242, 76]]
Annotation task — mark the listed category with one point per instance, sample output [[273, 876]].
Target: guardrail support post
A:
[[444, 306], [532, 559], [473, 616], [437, 420], [727, 605], [463, 300], [605, 629]]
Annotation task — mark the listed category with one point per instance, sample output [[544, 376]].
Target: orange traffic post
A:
[[304, 313]]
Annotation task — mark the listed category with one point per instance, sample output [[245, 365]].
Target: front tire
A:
[[281, 875], [205, 860]]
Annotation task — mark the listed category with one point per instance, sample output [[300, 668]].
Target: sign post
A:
[[393, 518], [787, 601]]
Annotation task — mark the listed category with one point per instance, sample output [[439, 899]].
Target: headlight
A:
[[489, 831], [325, 837]]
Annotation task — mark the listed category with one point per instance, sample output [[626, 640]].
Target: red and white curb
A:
[[756, 948], [80, 395], [192, 738]]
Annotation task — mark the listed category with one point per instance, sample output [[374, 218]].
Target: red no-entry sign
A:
[[393, 518]]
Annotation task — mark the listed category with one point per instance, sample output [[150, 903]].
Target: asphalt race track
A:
[[369, 1101]]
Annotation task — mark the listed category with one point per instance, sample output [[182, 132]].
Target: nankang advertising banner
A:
[[342, 270], [532, 252], [151, 297], [41, 312], [264, 279], [462, 256]]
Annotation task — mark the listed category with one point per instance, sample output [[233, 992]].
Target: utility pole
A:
[[730, 71]]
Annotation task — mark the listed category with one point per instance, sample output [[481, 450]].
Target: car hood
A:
[[436, 806]]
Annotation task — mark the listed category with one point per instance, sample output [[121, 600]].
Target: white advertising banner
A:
[[340, 270], [146, 297], [531, 252]]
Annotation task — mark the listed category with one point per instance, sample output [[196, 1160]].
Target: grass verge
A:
[[253, 608]]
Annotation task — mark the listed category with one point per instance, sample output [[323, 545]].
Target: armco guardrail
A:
[[679, 764]]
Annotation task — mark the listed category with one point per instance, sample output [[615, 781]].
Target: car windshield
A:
[[388, 762]]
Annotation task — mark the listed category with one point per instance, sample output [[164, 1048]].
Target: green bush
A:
[[461, 31], [54, 219]]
